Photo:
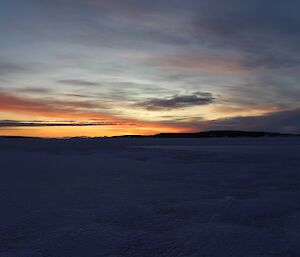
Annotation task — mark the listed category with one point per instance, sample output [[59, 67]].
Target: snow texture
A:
[[150, 197]]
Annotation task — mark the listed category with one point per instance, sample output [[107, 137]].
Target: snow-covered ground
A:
[[150, 197]]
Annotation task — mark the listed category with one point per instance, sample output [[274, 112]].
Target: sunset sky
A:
[[115, 67]]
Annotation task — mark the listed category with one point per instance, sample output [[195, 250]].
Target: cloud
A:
[[78, 113], [177, 101], [201, 63], [281, 121], [15, 123], [34, 90], [7, 68], [265, 33], [49, 107], [77, 82]]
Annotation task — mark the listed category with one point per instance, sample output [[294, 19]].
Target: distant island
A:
[[208, 134]]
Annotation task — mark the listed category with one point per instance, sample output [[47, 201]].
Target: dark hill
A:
[[224, 133]]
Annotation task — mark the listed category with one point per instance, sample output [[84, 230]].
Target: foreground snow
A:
[[150, 197]]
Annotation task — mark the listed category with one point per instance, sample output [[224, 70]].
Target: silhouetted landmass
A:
[[17, 137], [220, 133]]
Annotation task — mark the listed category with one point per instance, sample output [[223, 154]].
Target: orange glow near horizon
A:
[[81, 119], [86, 131], [54, 111]]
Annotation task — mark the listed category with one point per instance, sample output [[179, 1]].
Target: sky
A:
[[119, 67]]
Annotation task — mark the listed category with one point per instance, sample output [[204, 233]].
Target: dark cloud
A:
[[284, 121], [33, 90], [102, 23], [178, 101], [265, 33], [281, 121], [263, 92], [7, 68], [77, 82], [14, 123]]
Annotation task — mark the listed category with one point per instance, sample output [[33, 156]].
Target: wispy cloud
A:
[[77, 82], [201, 63], [34, 90], [49, 107], [16, 123], [7, 68]]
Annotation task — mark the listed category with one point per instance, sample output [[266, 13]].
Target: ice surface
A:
[[150, 197]]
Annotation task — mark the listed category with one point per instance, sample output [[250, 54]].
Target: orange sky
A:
[[50, 111]]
